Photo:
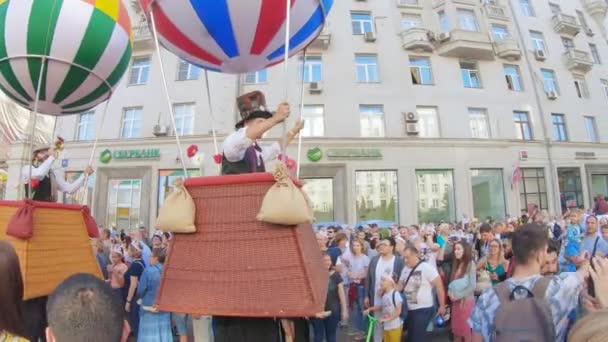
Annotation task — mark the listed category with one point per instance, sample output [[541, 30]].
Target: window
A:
[[467, 20], [549, 81], [187, 71], [526, 8], [435, 188], [444, 23], [470, 74], [420, 68], [428, 122], [423, 204], [581, 87], [500, 32], [361, 22], [555, 9], [523, 129], [604, 87], [367, 68], [410, 20], [140, 70], [184, 118], [513, 78], [313, 116], [372, 120], [582, 20], [371, 202], [480, 127], [538, 41], [595, 54], [409, 2], [321, 194], [257, 77], [567, 43], [166, 179], [131, 123], [124, 203], [533, 189], [312, 69], [591, 129], [85, 129], [559, 127], [488, 193], [570, 188], [442, 201]]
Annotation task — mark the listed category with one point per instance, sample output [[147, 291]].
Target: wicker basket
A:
[[59, 248], [235, 265]]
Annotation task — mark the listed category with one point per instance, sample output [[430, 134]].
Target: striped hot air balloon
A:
[[85, 44], [235, 36]]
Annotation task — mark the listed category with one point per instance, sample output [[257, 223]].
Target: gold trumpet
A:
[[59, 144]]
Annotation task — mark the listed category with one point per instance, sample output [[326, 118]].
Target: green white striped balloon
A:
[[82, 47]]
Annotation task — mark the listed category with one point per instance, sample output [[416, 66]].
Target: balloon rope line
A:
[[213, 133], [168, 98], [30, 193], [299, 157], [286, 71]]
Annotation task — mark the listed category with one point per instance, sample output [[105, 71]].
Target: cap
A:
[[40, 148]]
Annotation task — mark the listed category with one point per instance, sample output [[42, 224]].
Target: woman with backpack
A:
[[461, 290]]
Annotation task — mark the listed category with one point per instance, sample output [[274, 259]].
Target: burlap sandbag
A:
[[285, 203], [178, 211]]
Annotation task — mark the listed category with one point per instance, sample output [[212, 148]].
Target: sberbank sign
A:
[[135, 154]]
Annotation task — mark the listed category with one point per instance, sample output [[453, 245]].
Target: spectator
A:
[[106, 236], [386, 263], [404, 233], [483, 242], [335, 306], [373, 243], [590, 245], [399, 245], [322, 241], [83, 308], [572, 250], [12, 323], [530, 249], [601, 206], [146, 252], [363, 239], [103, 257], [166, 237], [117, 270], [153, 325], [132, 277], [494, 263], [444, 234], [550, 267], [157, 241], [461, 290], [390, 307], [339, 246], [605, 232], [591, 328], [126, 242], [394, 231], [331, 234], [143, 236], [181, 324], [417, 281], [357, 272]]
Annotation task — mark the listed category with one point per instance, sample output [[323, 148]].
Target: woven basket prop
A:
[[235, 265], [59, 245]]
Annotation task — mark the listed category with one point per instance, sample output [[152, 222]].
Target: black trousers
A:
[[246, 329], [34, 311]]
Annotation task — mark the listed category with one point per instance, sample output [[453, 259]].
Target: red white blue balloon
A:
[[236, 36]]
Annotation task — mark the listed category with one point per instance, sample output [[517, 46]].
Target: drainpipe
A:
[[537, 95]]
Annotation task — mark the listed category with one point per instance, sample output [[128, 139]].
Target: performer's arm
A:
[[38, 172], [273, 151], [236, 145], [71, 188]]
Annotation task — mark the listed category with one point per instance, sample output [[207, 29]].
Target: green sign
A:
[[314, 154], [145, 153], [354, 153]]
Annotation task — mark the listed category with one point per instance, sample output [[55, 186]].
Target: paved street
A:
[[438, 336]]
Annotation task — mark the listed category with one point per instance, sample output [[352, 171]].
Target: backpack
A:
[[525, 319], [404, 307]]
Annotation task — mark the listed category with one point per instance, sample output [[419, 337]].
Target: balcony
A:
[[142, 37], [496, 12], [323, 40], [596, 8], [417, 39], [566, 24], [465, 44], [507, 49], [578, 61]]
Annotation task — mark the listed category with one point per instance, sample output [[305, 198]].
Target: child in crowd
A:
[[573, 239], [390, 307], [117, 269]]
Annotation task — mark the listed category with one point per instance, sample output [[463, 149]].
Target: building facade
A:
[[416, 111]]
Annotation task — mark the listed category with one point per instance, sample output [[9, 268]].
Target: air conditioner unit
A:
[[411, 128], [410, 116], [552, 95], [589, 32], [540, 55], [370, 37], [315, 87], [160, 131], [444, 36]]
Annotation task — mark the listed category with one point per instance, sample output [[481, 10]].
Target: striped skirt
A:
[[154, 327]]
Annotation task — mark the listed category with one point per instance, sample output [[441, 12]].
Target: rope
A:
[[30, 193], [299, 156], [286, 71], [168, 98], [213, 133]]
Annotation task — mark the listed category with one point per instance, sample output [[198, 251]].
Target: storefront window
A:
[[599, 185], [570, 188], [124, 199], [321, 194], [377, 196], [533, 188], [166, 179], [488, 193], [77, 197], [436, 200]]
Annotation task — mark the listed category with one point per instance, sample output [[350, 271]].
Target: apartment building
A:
[[416, 111]]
